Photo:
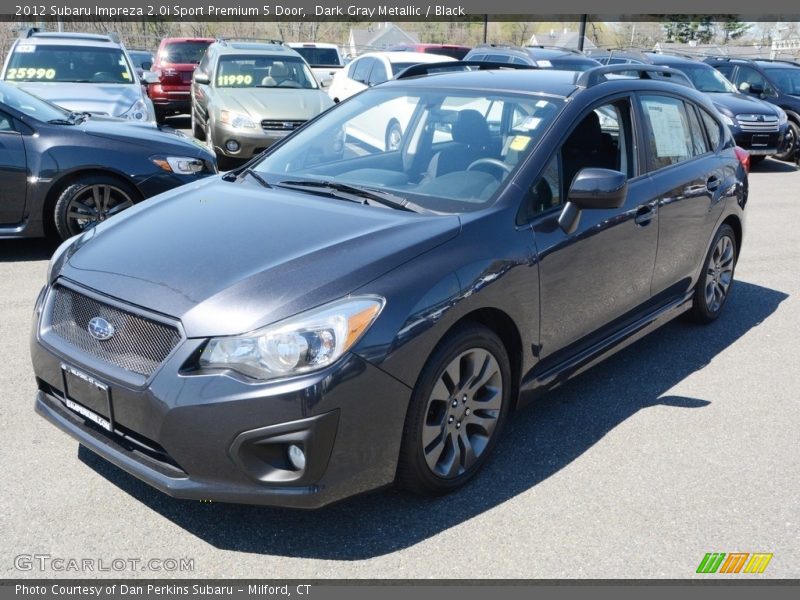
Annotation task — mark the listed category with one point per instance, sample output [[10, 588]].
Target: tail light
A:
[[744, 158]]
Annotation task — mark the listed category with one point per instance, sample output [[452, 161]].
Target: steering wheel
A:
[[493, 162]]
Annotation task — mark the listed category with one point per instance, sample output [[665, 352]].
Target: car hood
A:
[[143, 134], [102, 98], [741, 104], [273, 103], [228, 257]]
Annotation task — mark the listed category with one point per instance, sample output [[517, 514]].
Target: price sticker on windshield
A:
[[30, 73], [234, 80], [26, 48]]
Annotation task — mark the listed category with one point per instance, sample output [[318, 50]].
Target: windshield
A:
[[444, 151], [319, 57], [707, 79], [68, 64], [31, 105], [787, 79], [139, 58], [264, 71], [183, 53]]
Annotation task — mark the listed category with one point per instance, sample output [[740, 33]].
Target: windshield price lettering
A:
[[31, 73]]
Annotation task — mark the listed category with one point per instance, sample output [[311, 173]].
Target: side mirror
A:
[[201, 78], [150, 77], [146, 65], [756, 89], [592, 189]]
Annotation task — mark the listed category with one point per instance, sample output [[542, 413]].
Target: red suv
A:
[[176, 60]]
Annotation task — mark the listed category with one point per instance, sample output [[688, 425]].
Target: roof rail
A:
[[564, 48], [456, 65], [228, 40], [30, 32], [597, 75], [727, 59]]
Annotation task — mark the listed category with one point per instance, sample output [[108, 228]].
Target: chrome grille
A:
[[139, 344], [276, 125], [758, 123]]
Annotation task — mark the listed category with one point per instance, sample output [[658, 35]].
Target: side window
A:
[[6, 122], [543, 195], [699, 143], [726, 70], [602, 139], [713, 128], [669, 134], [378, 74], [750, 81], [500, 58], [361, 69], [204, 64]]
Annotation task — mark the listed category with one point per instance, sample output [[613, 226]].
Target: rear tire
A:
[[161, 117], [456, 413], [716, 278]]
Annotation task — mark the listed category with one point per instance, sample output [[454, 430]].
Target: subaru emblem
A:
[[100, 329]]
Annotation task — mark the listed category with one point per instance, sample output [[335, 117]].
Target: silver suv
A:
[[83, 72]]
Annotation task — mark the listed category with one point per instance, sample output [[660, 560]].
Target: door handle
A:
[[713, 183], [644, 215]]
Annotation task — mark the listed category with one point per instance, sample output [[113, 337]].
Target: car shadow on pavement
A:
[[27, 250], [774, 166], [537, 442]]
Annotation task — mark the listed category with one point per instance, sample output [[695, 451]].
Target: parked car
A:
[[759, 127], [82, 72], [66, 171], [142, 61], [328, 320], [538, 56], [373, 68], [246, 96], [776, 81], [175, 63], [325, 59], [451, 50]]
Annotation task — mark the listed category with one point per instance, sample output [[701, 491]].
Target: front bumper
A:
[[251, 141], [219, 437], [760, 144]]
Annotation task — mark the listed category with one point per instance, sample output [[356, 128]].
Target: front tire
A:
[[197, 131], [457, 412], [790, 143], [91, 200], [716, 278]]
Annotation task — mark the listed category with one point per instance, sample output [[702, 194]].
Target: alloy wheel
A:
[[94, 204], [719, 273], [462, 413]]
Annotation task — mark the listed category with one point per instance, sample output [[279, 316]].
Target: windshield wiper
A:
[[353, 193]]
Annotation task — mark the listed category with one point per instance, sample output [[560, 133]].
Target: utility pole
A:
[[485, 27], [582, 32]]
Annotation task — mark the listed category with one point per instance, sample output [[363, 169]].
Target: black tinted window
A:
[[183, 52], [320, 57], [713, 128], [361, 69]]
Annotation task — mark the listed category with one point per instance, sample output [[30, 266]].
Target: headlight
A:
[[728, 120], [782, 116], [182, 165], [137, 112], [303, 343], [236, 120]]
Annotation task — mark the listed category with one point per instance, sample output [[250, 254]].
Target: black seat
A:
[[587, 146], [472, 140]]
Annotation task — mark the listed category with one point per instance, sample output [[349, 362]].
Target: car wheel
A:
[[716, 278], [394, 136], [789, 143], [91, 200], [197, 131], [456, 413]]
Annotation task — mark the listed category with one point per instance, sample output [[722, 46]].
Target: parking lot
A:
[[683, 444]]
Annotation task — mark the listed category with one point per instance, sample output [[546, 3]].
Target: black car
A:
[[543, 57], [68, 171], [776, 81], [759, 127], [336, 316]]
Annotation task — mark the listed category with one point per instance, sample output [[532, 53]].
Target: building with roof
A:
[[563, 39], [378, 36]]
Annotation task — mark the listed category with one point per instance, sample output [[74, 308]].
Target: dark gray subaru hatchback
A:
[[343, 313]]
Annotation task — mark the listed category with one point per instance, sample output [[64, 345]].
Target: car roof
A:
[[404, 57], [53, 38], [671, 59], [185, 39], [260, 48], [312, 45]]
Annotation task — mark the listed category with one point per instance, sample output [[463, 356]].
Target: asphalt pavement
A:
[[684, 443]]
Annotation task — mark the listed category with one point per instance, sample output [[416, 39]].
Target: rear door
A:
[[13, 172], [688, 181]]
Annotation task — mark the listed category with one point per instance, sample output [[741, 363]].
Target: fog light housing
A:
[[297, 457], [232, 146]]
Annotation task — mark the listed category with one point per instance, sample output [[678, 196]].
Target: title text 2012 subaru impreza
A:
[[338, 316]]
